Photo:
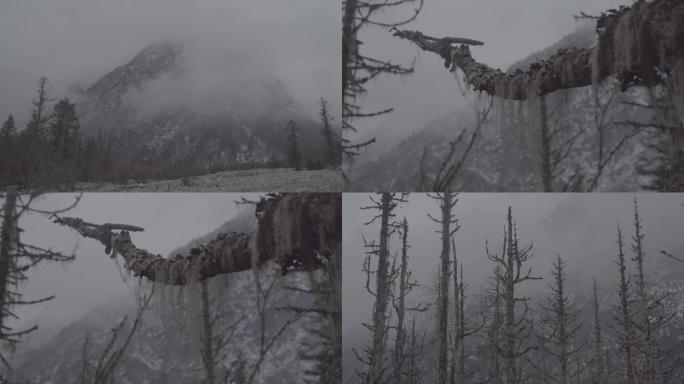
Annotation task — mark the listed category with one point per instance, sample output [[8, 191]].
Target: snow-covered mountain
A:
[[165, 111], [504, 159], [165, 349]]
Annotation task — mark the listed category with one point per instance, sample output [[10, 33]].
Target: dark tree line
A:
[[51, 151]]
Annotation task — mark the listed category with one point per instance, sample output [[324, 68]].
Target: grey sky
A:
[[511, 30], [170, 220], [579, 227], [72, 41]]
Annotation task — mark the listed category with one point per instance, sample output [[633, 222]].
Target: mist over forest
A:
[[580, 228]]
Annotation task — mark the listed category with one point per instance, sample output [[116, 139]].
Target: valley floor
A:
[[248, 180]]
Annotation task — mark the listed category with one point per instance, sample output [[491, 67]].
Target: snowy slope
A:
[[263, 179]]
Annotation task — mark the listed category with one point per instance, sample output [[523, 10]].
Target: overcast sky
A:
[[72, 41], [579, 227], [511, 30], [170, 220]]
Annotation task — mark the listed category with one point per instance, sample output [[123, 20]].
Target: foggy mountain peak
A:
[[156, 58], [208, 108]]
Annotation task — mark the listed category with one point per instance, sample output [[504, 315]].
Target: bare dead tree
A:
[[561, 320], [213, 338], [103, 371], [267, 340], [325, 350], [516, 325], [493, 328], [650, 315], [405, 286], [373, 357], [416, 349], [622, 314], [449, 226], [358, 68], [463, 327], [455, 373], [16, 259], [403, 349], [598, 359], [452, 164], [606, 154]]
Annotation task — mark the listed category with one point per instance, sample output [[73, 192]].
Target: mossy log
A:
[[640, 45], [297, 231]]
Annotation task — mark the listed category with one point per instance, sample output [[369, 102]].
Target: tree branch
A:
[[636, 44], [295, 230]]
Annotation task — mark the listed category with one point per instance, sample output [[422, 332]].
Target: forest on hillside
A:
[[52, 151]]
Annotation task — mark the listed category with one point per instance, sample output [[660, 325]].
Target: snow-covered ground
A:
[[252, 180]]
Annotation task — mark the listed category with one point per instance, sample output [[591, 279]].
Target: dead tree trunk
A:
[[382, 294], [16, 260], [444, 291], [453, 374], [449, 226], [312, 220], [374, 357], [562, 320], [516, 326], [599, 367], [650, 317], [9, 230], [399, 343], [623, 313], [494, 328], [645, 369]]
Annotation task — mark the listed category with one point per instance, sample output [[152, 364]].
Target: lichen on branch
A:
[[295, 230], [640, 45]]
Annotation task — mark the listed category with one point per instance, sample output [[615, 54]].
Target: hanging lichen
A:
[[676, 90], [295, 230]]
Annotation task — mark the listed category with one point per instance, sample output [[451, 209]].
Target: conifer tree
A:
[[622, 313], [294, 156], [516, 327], [449, 226], [332, 148], [64, 128], [598, 360], [561, 319], [8, 134]]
